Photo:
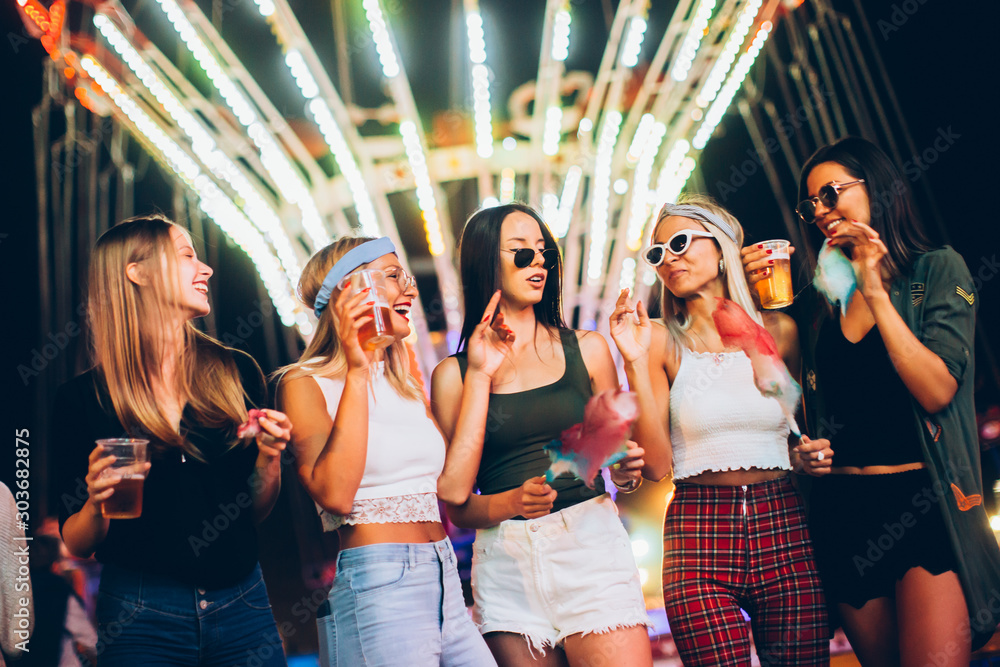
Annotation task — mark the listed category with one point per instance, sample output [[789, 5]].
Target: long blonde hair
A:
[[128, 338], [736, 288], [324, 355]]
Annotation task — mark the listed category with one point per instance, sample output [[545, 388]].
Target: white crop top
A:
[[720, 421], [405, 457]]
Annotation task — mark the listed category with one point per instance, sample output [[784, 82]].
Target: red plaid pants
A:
[[727, 548]]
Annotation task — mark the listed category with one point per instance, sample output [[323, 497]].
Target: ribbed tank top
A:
[[518, 425], [720, 421]]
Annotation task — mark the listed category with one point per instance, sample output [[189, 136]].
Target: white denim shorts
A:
[[562, 574]]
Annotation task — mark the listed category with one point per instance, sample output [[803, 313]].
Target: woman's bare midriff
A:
[[385, 533], [735, 477], [877, 470]]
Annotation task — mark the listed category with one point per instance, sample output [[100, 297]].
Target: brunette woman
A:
[[552, 564], [902, 538]]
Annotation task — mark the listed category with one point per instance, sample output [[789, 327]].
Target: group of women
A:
[[888, 393]]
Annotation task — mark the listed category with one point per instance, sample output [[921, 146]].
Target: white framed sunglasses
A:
[[677, 244]]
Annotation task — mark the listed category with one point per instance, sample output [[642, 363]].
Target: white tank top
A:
[[720, 421], [405, 457]]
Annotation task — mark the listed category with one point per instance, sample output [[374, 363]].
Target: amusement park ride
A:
[[595, 152]]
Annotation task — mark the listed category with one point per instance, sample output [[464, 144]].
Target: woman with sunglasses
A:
[[553, 574], [735, 535], [374, 462], [902, 539]]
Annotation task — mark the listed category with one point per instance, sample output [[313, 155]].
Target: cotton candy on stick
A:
[[834, 276], [599, 441], [738, 331]]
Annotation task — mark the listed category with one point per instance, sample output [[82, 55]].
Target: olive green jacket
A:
[[936, 298]]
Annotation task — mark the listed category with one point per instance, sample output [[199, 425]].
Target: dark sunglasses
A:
[[523, 257], [828, 196], [677, 244]]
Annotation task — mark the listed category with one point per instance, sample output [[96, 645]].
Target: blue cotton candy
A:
[[835, 277]]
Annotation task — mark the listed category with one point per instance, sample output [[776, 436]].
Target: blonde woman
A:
[[735, 535], [373, 460], [180, 584]]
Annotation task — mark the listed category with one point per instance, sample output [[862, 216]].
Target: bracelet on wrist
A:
[[632, 486]]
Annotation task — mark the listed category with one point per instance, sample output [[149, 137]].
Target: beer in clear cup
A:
[[775, 289], [130, 455], [376, 333]]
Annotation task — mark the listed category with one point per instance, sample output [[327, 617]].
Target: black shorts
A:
[[869, 530]]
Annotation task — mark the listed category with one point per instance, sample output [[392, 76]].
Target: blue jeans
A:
[[144, 619], [399, 604]]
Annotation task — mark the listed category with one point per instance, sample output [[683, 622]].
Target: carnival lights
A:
[[212, 200], [601, 183], [480, 80], [425, 191], [272, 156], [560, 34], [713, 82], [383, 43], [733, 83], [633, 41], [571, 186], [692, 41], [553, 130], [204, 147]]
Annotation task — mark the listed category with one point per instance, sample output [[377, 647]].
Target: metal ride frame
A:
[[597, 165]]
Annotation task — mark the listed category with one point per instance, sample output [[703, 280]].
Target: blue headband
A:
[[698, 213], [368, 251]]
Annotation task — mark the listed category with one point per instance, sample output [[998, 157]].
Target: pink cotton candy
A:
[[599, 441], [739, 332], [251, 427]]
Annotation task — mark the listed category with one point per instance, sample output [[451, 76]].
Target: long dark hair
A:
[[893, 214], [479, 258]]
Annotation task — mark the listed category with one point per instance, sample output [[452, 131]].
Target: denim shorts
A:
[[399, 604], [149, 620], [562, 574]]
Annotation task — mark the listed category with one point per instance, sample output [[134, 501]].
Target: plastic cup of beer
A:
[[775, 289], [377, 332], [130, 455]]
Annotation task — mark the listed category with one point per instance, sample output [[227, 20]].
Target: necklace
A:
[[717, 357]]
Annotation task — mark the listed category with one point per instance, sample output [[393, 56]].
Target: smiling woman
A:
[[894, 372], [373, 462], [158, 378]]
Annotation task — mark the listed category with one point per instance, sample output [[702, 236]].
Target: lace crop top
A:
[[720, 421], [405, 457]]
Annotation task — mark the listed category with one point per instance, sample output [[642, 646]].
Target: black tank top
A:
[[870, 407], [518, 425]]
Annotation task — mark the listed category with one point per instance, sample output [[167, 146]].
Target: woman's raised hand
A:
[[349, 311], [867, 251], [491, 341], [632, 337]]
